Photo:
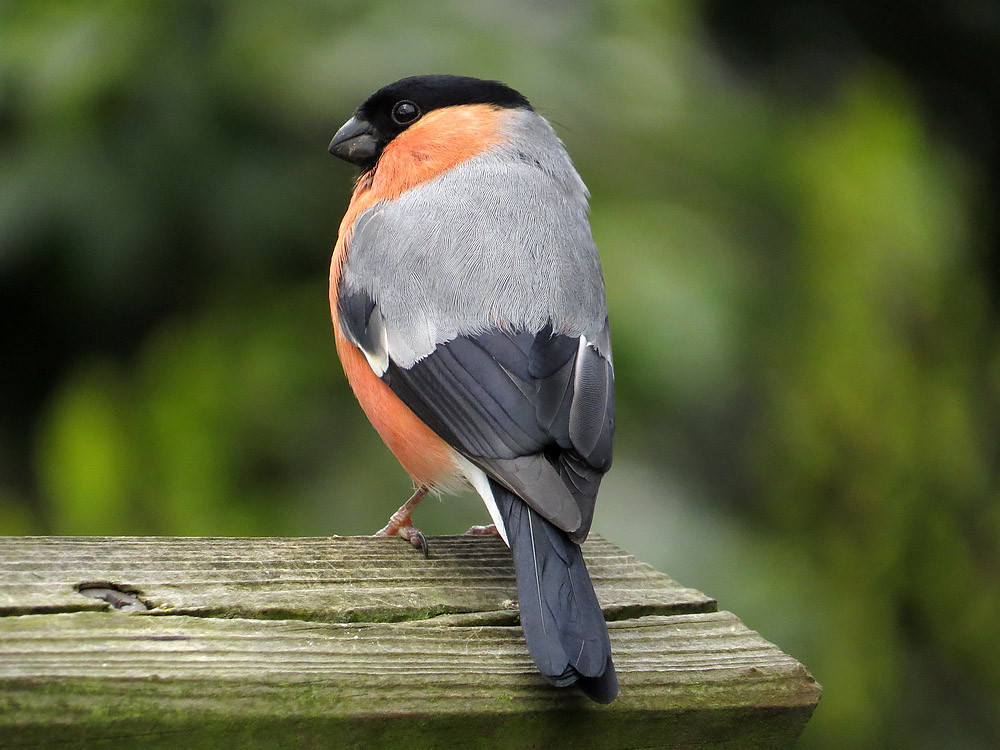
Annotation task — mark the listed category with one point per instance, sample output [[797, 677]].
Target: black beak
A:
[[355, 142]]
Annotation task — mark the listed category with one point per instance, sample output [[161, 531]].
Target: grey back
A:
[[501, 241]]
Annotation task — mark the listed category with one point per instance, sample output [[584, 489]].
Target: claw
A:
[[416, 538]]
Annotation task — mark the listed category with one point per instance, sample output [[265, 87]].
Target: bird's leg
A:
[[401, 524], [490, 530]]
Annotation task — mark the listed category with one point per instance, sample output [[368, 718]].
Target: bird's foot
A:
[[401, 525], [490, 530]]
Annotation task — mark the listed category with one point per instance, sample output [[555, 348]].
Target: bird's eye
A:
[[405, 112]]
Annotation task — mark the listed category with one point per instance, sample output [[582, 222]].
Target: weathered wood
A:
[[332, 579], [358, 642]]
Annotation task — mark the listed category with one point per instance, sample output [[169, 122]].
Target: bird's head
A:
[[394, 108]]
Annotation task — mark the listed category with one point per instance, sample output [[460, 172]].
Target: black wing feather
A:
[[501, 396], [354, 310], [505, 399]]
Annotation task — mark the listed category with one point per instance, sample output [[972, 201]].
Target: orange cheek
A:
[[442, 139]]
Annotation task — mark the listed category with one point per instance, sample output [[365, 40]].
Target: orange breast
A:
[[441, 140], [428, 459]]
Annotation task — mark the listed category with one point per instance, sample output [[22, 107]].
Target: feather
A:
[[561, 618], [535, 411]]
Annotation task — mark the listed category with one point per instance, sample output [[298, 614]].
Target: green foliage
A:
[[805, 353], [869, 413]]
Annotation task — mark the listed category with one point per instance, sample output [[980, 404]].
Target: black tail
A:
[[562, 621]]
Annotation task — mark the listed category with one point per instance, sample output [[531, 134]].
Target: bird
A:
[[469, 313]]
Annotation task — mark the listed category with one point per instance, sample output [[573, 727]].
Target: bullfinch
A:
[[469, 313]]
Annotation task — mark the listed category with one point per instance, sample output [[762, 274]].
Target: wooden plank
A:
[[332, 675], [86, 675], [329, 579]]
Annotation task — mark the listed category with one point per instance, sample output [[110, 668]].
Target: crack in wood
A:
[[121, 598]]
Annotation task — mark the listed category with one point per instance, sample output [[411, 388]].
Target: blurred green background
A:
[[795, 204]]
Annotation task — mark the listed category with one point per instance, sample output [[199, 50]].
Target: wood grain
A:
[[358, 642], [329, 579]]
